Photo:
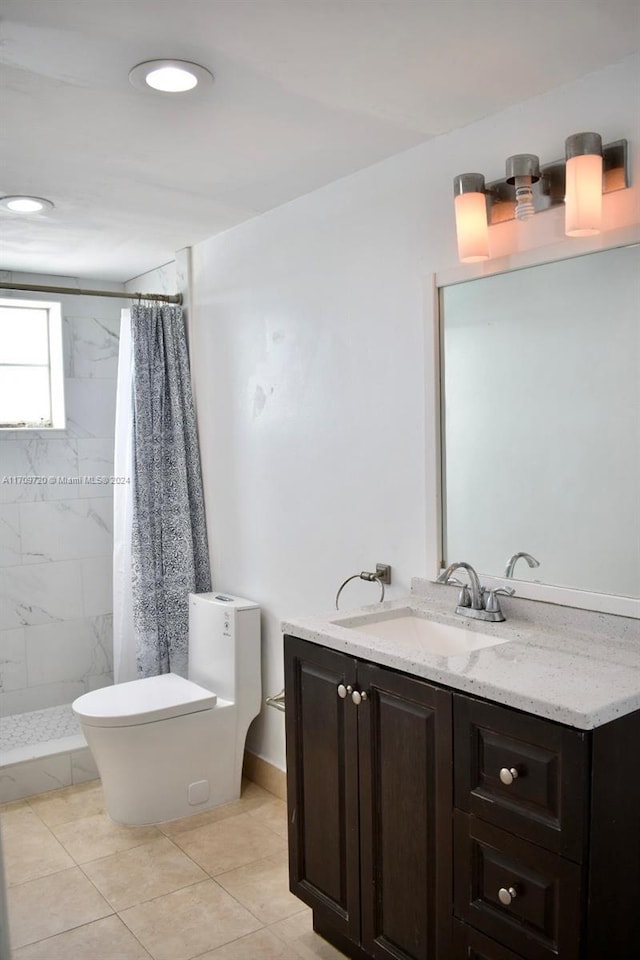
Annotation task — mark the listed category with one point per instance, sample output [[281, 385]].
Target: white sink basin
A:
[[406, 628]]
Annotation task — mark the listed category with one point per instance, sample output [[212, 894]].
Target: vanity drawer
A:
[[470, 944], [546, 800], [543, 919]]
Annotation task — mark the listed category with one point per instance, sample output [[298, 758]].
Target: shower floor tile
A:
[[24, 736], [181, 911]]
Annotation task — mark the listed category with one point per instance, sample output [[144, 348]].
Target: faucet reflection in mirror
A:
[[579, 181], [521, 555]]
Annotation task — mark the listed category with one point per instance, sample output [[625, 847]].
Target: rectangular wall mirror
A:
[[540, 408]]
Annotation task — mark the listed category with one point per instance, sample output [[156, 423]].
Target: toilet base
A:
[[169, 768]]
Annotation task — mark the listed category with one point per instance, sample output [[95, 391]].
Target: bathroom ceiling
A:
[[305, 92]]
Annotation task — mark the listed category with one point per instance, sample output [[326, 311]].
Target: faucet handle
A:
[[492, 604], [464, 598]]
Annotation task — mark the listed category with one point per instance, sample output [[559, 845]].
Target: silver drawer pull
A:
[[358, 697], [343, 691], [508, 775], [506, 895]]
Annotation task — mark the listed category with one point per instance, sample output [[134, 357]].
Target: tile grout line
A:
[[160, 896], [263, 925], [105, 856], [229, 894], [131, 906]]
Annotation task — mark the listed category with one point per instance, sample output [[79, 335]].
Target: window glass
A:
[[31, 365], [25, 398], [24, 335]]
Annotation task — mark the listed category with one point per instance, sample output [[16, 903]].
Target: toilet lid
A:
[[142, 701]]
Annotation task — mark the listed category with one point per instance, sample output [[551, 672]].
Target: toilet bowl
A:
[[166, 746]]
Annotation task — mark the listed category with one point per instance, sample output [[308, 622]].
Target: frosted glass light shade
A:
[[583, 193], [171, 79], [26, 205], [471, 227], [169, 76]]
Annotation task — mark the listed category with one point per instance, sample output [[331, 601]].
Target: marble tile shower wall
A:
[[56, 540]]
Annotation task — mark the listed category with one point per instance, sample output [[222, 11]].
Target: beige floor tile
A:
[[312, 947], [263, 888], [189, 922], [251, 790], [6, 809], [253, 797], [294, 927], [297, 931], [98, 836], [16, 813], [30, 849], [230, 843], [107, 939], [146, 872], [257, 946], [272, 815], [71, 803], [47, 906]]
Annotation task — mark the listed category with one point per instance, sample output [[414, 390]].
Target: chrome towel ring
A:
[[381, 576]]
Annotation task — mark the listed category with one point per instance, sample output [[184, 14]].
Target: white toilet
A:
[[166, 747]]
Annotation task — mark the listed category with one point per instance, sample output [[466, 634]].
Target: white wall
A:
[[56, 542], [310, 360], [161, 280]]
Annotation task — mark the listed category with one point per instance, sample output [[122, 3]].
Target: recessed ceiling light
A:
[[23, 204], [169, 76]]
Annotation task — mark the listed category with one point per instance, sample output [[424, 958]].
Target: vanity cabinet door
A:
[[404, 736], [322, 784]]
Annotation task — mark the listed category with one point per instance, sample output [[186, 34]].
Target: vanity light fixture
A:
[[471, 217], [169, 76], [26, 205], [583, 196], [588, 170]]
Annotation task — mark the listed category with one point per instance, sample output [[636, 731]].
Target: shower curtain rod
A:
[[43, 288]]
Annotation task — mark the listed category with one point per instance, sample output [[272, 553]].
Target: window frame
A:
[[55, 364]]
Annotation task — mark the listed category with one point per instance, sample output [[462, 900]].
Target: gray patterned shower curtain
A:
[[169, 553]]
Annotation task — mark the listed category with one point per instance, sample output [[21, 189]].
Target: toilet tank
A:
[[224, 645]]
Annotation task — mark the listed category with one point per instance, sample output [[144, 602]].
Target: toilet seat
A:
[[143, 701]]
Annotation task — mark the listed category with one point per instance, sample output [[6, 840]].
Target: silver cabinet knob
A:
[[508, 775], [358, 697], [506, 895], [343, 691]]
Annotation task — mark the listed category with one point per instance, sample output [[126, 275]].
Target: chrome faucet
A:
[[511, 562], [474, 583], [483, 604]]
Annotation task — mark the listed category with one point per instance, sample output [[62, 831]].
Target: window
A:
[[31, 365]]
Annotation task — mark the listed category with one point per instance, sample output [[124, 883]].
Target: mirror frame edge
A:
[[563, 250], [433, 432]]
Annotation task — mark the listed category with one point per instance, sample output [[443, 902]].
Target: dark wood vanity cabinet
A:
[[322, 784], [369, 797], [425, 824]]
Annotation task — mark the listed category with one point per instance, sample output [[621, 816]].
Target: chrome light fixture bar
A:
[[588, 171]]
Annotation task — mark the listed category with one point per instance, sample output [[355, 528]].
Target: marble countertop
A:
[[572, 666]]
